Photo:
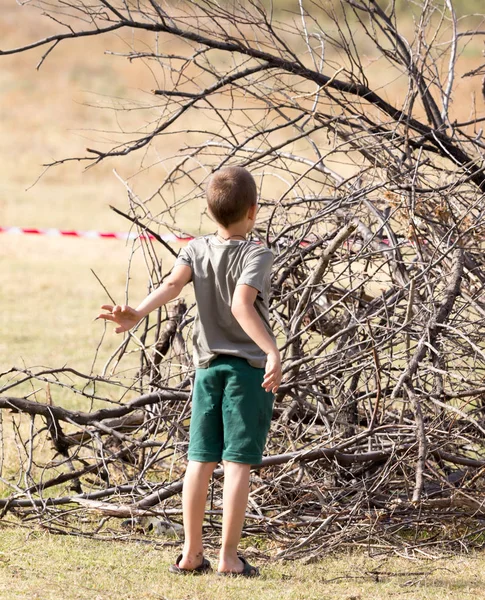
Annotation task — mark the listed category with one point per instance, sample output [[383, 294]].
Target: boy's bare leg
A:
[[194, 496], [235, 500]]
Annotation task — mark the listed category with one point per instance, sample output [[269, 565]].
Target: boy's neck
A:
[[236, 231]]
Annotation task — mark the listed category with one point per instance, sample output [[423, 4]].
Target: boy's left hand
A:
[[124, 316], [272, 375]]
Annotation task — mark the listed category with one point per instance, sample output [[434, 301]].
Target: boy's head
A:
[[231, 195]]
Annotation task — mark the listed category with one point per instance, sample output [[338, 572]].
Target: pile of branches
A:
[[375, 214]]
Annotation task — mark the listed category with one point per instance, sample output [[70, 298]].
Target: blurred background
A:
[[49, 295]]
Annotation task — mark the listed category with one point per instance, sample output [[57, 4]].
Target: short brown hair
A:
[[231, 192]]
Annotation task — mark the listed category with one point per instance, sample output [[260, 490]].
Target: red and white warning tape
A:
[[132, 235]]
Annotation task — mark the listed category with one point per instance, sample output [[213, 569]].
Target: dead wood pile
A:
[[375, 213]]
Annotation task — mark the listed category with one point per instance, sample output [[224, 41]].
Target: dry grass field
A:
[[36, 565], [49, 295], [49, 298]]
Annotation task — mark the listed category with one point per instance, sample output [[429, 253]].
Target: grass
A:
[[39, 565]]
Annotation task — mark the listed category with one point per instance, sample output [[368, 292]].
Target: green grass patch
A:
[[36, 564]]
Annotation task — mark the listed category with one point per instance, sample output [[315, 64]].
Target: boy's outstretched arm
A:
[[126, 317], [247, 316]]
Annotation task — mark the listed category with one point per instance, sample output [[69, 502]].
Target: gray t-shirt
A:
[[217, 268]]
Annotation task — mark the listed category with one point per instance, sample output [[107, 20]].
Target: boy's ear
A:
[[252, 212]]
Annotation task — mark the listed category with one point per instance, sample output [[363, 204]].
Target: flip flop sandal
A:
[[204, 567], [248, 570]]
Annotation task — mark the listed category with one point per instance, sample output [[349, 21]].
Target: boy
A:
[[237, 361]]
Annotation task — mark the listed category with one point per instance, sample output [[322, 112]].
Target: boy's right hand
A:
[[272, 375], [124, 316]]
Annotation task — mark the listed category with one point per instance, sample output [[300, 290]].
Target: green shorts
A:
[[231, 412]]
